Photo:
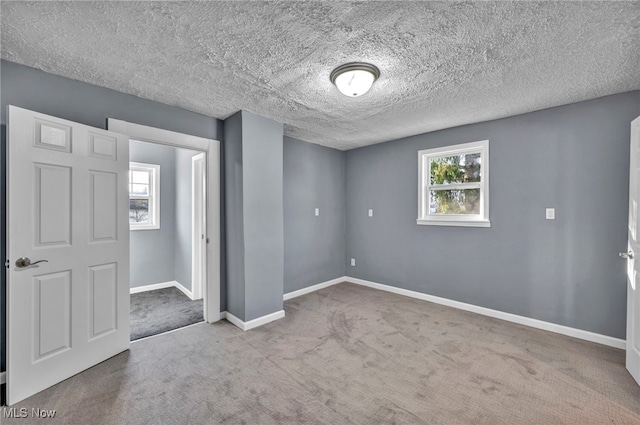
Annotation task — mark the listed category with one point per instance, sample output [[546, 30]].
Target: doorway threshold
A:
[[168, 332]]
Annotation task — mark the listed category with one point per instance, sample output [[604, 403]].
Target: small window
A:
[[454, 185], [144, 196]]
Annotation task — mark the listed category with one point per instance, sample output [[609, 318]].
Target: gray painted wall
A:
[[254, 215], [91, 105], [163, 255], [184, 211], [263, 214], [152, 251], [314, 247], [233, 224], [566, 271]]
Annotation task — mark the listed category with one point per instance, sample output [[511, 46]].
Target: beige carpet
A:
[[353, 355]]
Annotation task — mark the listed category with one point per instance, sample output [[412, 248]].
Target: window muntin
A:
[[454, 185], [144, 196]]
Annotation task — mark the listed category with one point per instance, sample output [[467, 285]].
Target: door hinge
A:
[[6, 263]]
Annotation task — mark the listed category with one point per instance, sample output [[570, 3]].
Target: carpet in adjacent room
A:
[[162, 310]]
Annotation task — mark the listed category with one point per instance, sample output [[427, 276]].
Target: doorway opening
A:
[[167, 211], [211, 149]]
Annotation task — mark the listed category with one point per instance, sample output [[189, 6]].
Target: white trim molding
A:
[[184, 290], [245, 326], [211, 290], [162, 285], [509, 317], [198, 224], [313, 288], [152, 287]]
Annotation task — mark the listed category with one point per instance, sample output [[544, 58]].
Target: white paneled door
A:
[[67, 206], [633, 261]]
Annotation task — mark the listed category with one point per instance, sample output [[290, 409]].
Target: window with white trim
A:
[[144, 196], [454, 185]]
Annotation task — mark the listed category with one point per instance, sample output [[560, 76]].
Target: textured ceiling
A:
[[442, 64]]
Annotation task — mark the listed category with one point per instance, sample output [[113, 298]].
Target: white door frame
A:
[[198, 224], [211, 149]]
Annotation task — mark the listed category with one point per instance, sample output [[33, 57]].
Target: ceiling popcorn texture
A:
[[442, 64]]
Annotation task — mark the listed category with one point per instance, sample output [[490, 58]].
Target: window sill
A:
[[458, 223], [150, 227]]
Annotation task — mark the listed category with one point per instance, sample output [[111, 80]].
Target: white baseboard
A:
[[509, 317], [153, 287], [3, 377], [162, 285], [245, 326], [313, 288], [184, 290]]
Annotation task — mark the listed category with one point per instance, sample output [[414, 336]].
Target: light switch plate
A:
[[370, 213], [317, 211], [550, 213]]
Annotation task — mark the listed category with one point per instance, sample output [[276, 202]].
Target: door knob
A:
[[626, 255], [23, 262]]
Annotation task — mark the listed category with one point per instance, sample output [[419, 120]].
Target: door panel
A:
[[53, 205], [103, 297], [67, 202], [103, 147], [633, 289], [52, 308], [104, 206], [52, 135], [635, 340]]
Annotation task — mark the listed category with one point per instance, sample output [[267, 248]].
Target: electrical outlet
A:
[[550, 213], [370, 213], [353, 262], [317, 212]]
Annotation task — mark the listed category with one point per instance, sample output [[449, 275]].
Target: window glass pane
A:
[[140, 177], [139, 211], [140, 189], [463, 168], [460, 201]]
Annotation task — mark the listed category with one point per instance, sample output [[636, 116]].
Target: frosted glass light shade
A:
[[354, 79]]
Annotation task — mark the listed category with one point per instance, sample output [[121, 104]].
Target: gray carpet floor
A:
[[162, 310], [353, 355]]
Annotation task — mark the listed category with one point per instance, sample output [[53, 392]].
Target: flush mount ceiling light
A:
[[354, 79]]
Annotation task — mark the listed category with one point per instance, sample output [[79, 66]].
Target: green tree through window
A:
[[452, 170], [454, 185]]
